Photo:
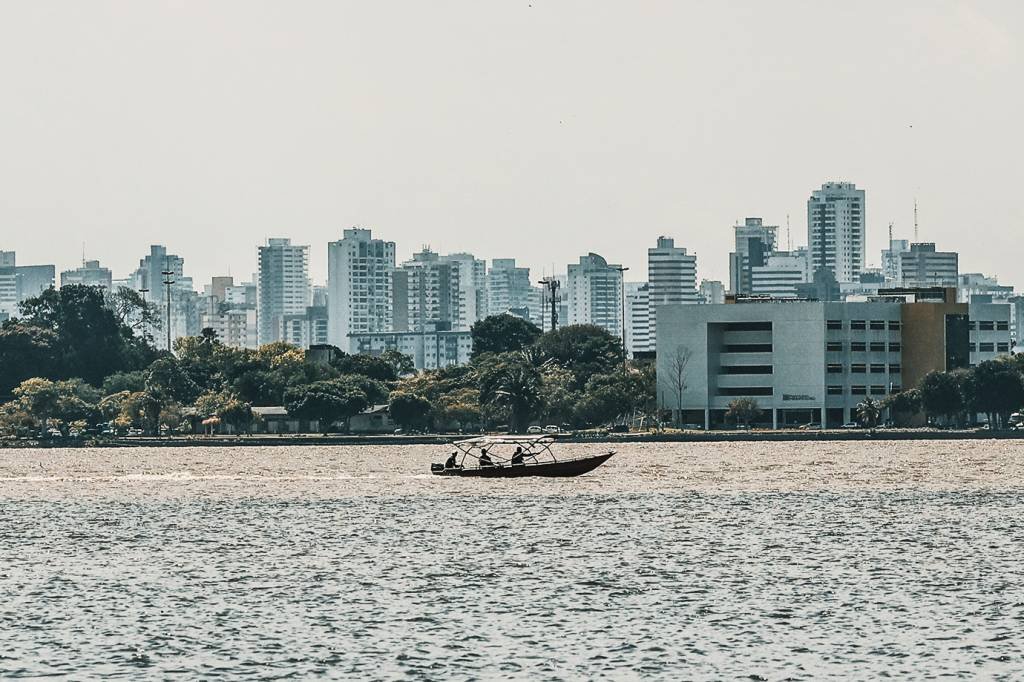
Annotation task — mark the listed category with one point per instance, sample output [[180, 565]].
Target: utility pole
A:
[[915, 219], [551, 284], [168, 281], [622, 289]]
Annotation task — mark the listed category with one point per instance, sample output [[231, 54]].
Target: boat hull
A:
[[567, 468]]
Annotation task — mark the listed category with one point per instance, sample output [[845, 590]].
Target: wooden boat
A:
[[513, 457]]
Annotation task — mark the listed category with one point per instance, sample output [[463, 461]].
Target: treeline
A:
[[994, 388], [77, 358]]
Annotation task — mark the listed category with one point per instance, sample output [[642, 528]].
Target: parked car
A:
[[851, 425], [134, 432], [534, 429], [551, 428]]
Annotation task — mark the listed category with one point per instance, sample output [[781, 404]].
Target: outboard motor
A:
[[436, 467]]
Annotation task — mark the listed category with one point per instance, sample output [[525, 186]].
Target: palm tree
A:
[[519, 389], [868, 412]]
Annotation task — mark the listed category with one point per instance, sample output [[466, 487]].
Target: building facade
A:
[[781, 274], [923, 266], [595, 294], [283, 286], [429, 349], [428, 292], [836, 221], [509, 288], [90, 274], [753, 242], [360, 273], [639, 337], [161, 277]]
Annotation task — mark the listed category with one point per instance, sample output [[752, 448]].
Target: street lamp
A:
[[168, 281], [622, 289]]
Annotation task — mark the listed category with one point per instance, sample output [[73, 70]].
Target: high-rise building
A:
[[472, 286], [230, 311], [89, 274], [712, 292], [282, 286], [753, 242], [639, 338], [836, 230], [509, 288], [150, 279], [360, 299], [8, 285], [781, 274], [428, 291], [671, 278], [595, 290], [1017, 322], [923, 266], [891, 260]]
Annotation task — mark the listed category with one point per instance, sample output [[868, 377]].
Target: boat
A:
[[534, 458]]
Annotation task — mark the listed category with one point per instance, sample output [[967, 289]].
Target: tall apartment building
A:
[[282, 286], [90, 274], [753, 242], [230, 311], [430, 348], [509, 288], [923, 266], [781, 274], [595, 289], [836, 229], [639, 319], [671, 278], [428, 291], [149, 279], [360, 274], [472, 286], [712, 292]]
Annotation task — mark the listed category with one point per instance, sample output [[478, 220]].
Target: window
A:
[[834, 324], [878, 346], [894, 325], [858, 324], [748, 326], [972, 325], [748, 390], [878, 390], [747, 348], [972, 347], [834, 368], [858, 346], [858, 368], [895, 347], [835, 390], [895, 388], [986, 326], [1003, 347], [895, 368], [987, 347], [1003, 326], [878, 324], [859, 390], [834, 346], [877, 368], [747, 369]]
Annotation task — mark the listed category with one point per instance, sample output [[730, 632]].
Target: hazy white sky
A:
[[535, 129]]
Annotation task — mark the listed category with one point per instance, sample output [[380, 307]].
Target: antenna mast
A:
[[915, 219], [789, 237]]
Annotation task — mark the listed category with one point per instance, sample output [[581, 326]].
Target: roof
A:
[[274, 411]]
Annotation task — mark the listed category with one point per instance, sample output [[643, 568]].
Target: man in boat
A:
[[485, 459], [517, 456], [450, 462]]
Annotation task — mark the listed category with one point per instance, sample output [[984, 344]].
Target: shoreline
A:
[[441, 439]]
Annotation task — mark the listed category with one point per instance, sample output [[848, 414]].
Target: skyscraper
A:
[[472, 286], [671, 278], [149, 278], [923, 266], [639, 319], [282, 286], [428, 292], [360, 299], [753, 242], [595, 290], [89, 274], [836, 230], [509, 288]]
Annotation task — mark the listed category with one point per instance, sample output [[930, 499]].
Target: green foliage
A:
[[995, 388], [940, 395], [868, 412], [27, 351], [409, 410], [502, 334], [607, 397], [327, 402], [41, 403], [227, 407], [583, 349], [167, 379], [508, 381], [903, 403], [125, 381], [743, 410]]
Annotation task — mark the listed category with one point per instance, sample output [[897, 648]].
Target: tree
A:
[[408, 410], [27, 351], [228, 408], [327, 401], [940, 395], [583, 349], [372, 366], [507, 381], [675, 363], [41, 401], [557, 396], [124, 381], [744, 410], [607, 397], [402, 363], [135, 312], [903, 404], [868, 412], [995, 388], [459, 408], [166, 378], [502, 334]]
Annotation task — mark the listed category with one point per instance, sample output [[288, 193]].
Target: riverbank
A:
[[578, 437]]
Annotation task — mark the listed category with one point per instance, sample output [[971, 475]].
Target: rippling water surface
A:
[[773, 561]]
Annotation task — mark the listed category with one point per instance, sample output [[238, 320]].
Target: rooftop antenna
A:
[[890, 234], [789, 237], [915, 219]]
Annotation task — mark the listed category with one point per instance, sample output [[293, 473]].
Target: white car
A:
[[535, 429], [551, 428], [851, 425]]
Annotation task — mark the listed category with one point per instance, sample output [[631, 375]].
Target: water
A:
[[773, 561]]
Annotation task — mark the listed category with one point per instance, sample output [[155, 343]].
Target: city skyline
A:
[[548, 131]]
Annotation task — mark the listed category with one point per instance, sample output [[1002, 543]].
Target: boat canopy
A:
[[500, 449]]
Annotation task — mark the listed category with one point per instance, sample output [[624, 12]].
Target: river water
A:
[[672, 561]]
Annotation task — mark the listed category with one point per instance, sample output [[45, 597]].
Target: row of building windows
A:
[[861, 346], [862, 390], [863, 368], [989, 325], [990, 347], [863, 324]]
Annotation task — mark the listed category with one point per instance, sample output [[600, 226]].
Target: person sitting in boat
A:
[[485, 459], [517, 456], [450, 462]]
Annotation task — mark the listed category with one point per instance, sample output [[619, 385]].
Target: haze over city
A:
[[539, 131]]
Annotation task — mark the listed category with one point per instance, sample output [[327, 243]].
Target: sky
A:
[[535, 129]]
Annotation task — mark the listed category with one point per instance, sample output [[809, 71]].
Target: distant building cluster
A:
[[426, 305]]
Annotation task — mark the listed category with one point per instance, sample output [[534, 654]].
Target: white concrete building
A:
[[472, 286], [360, 272], [509, 288], [923, 266], [753, 242], [891, 260], [90, 274], [283, 286], [781, 274], [595, 294], [712, 292], [428, 293], [429, 349], [149, 278], [639, 338], [836, 229]]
